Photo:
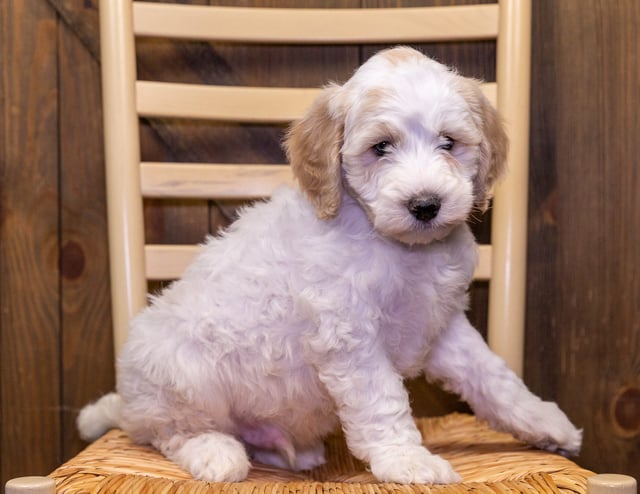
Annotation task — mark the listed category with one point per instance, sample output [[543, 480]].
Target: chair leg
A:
[[31, 485], [607, 483]]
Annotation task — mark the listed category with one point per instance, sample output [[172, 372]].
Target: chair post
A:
[[122, 155], [509, 220]]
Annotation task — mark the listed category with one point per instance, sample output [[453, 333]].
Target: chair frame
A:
[[125, 100]]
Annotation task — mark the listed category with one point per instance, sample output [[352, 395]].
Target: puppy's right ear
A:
[[313, 149], [492, 164]]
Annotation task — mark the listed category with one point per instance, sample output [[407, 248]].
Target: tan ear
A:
[[494, 146], [313, 149]]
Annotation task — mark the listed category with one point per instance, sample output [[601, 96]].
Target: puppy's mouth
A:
[[419, 224], [425, 232]]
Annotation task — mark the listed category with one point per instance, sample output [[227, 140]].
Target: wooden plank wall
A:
[[30, 243], [583, 318], [583, 323]]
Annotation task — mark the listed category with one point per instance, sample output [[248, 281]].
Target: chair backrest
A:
[[126, 99]]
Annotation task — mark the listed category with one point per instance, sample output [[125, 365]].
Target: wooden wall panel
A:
[[584, 299], [29, 284], [86, 346]]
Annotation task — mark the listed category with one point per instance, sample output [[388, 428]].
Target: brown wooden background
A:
[[583, 324]]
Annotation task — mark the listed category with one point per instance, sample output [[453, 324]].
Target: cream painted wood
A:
[[609, 483], [509, 220], [122, 156], [490, 90], [203, 181], [168, 262], [484, 269], [30, 485], [233, 104], [227, 103], [324, 26]]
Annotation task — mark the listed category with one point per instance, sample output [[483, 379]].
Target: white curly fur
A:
[[313, 306]]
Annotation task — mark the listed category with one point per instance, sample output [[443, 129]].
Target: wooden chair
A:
[[487, 460]]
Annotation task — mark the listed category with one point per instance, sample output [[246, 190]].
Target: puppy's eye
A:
[[447, 143], [381, 148]]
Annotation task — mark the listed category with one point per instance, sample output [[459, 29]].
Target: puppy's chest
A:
[[424, 300], [410, 323]]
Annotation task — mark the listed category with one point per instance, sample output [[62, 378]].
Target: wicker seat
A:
[[488, 461]]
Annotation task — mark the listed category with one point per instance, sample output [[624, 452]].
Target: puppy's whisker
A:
[[476, 216]]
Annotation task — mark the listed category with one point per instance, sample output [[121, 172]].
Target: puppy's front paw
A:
[[552, 430], [562, 435], [412, 464]]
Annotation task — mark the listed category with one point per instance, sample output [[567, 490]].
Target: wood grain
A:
[[86, 343], [29, 286], [584, 310]]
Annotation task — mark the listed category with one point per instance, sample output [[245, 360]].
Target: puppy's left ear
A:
[[494, 146], [313, 149]]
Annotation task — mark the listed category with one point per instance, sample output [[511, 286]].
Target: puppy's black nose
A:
[[424, 209]]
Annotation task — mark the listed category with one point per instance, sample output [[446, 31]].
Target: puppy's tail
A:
[[97, 418]]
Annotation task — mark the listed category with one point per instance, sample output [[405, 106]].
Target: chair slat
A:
[[335, 26], [233, 104], [205, 181], [168, 262], [484, 268], [225, 103]]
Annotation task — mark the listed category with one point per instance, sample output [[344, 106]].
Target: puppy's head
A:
[[417, 145]]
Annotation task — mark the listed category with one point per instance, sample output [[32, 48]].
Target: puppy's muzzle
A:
[[424, 208]]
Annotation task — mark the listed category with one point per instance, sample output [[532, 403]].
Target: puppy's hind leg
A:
[[212, 456], [311, 457], [270, 445], [305, 459]]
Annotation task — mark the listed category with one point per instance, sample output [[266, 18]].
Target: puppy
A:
[[313, 306]]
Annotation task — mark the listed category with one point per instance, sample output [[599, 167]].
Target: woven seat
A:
[[488, 461]]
